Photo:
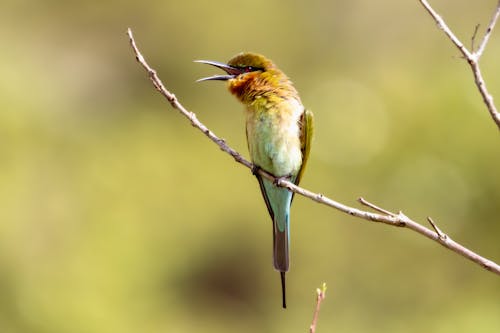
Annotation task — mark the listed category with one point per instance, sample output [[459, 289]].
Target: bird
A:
[[279, 132]]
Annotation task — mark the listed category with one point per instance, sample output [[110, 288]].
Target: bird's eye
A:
[[248, 69]]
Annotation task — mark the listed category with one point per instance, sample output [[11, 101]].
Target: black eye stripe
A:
[[248, 69]]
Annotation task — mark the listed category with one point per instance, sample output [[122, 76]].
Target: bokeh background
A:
[[117, 216]]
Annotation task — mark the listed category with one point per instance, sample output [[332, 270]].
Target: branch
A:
[[472, 56], [320, 296], [487, 34], [384, 216]]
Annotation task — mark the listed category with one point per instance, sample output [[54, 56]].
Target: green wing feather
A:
[[306, 134]]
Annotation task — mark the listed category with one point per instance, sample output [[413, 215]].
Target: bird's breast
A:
[[273, 136]]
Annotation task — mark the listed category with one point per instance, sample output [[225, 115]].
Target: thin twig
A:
[[471, 56], [320, 296], [399, 220], [438, 231], [473, 38], [365, 202], [488, 31]]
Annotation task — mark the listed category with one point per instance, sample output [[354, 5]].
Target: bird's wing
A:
[[264, 194], [306, 134]]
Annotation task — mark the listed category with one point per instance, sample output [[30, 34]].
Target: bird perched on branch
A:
[[279, 131]]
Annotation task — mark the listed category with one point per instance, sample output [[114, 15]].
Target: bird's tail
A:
[[278, 201], [281, 243]]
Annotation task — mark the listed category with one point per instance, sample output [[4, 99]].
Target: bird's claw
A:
[[278, 179]]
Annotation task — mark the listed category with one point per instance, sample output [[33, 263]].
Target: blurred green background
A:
[[117, 216]]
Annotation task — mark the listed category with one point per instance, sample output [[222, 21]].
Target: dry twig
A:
[[320, 296], [472, 56], [384, 216]]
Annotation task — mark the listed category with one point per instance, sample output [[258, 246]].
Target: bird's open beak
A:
[[231, 71]]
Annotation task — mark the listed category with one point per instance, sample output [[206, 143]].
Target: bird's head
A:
[[251, 75]]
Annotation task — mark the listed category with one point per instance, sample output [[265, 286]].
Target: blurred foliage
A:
[[117, 216]]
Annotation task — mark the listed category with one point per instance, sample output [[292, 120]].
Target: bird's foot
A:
[[255, 170], [277, 180]]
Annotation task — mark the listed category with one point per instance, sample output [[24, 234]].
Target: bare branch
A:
[[190, 115], [398, 220], [443, 26], [471, 56], [487, 98], [320, 296]]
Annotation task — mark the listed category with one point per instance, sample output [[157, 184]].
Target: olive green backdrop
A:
[[117, 216]]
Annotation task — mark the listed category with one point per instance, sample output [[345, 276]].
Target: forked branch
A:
[[472, 56]]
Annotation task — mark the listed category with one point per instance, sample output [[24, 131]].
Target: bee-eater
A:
[[279, 131]]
